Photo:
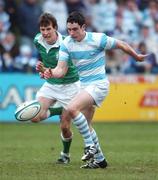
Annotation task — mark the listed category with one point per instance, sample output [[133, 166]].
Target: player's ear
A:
[[83, 26]]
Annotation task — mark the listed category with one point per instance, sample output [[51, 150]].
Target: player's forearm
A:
[[58, 72], [127, 49]]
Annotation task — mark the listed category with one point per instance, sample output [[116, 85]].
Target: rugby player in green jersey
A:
[[62, 90]]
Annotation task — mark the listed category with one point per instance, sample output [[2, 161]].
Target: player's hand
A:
[[41, 75], [40, 67], [48, 73], [141, 57]]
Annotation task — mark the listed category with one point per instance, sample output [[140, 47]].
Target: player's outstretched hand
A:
[[40, 67], [141, 57], [48, 73]]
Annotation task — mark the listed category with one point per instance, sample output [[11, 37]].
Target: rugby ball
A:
[[27, 110]]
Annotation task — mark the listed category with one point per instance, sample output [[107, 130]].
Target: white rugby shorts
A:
[[62, 93], [98, 90]]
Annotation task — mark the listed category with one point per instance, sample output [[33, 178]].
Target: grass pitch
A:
[[29, 152]]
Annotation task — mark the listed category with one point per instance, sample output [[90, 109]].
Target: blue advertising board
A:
[[15, 89]]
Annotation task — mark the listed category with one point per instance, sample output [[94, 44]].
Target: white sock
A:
[[81, 123], [99, 156]]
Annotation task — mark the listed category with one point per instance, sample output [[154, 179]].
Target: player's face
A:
[[76, 31], [48, 33]]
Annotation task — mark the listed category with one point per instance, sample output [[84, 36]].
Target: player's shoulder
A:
[[95, 37], [97, 34], [68, 39], [37, 37]]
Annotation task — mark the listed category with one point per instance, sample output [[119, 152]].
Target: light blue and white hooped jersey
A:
[[88, 55]]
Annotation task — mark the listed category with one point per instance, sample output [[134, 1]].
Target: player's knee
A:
[[39, 118], [64, 127], [35, 120], [66, 132], [72, 111]]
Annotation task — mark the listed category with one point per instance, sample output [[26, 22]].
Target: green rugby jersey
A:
[[49, 55]]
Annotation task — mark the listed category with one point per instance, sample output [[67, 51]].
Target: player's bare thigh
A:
[[45, 104], [79, 103]]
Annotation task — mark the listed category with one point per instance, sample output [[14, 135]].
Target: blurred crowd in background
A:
[[134, 21]]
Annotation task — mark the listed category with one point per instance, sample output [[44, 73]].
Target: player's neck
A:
[[54, 39], [83, 35]]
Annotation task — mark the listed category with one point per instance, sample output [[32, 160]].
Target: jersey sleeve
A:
[[107, 42], [63, 53]]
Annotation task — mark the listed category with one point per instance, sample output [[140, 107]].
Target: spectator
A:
[[25, 62], [132, 19], [2, 31], [150, 14], [114, 61], [9, 49], [148, 66], [155, 39], [103, 14], [118, 32], [76, 5], [11, 9], [4, 17], [149, 38], [142, 4], [28, 14], [59, 10]]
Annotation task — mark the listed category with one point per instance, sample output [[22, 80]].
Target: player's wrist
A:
[[51, 72]]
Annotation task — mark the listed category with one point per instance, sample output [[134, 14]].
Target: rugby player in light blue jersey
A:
[[87, 51]]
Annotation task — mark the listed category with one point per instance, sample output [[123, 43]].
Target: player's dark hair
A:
[[76, 17], [47, 19]]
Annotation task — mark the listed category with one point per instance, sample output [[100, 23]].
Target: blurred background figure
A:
[[76, 5], [155, 38], [28, 14], [25, 61], [148, 66], [58, 9], [150, 14], [114, 61], [9, 49], [132, 19], [11, 9], [103, 14], [4, 18]]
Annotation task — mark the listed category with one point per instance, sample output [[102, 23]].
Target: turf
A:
[[29, 151]]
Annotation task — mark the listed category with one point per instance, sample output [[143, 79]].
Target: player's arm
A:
[[58, 72], [129, 50], [40, 67]]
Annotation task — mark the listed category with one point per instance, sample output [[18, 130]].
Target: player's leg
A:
[[44, 112], [98, 157], [66, 133], [67, 92], [46, 96], [82, 100], [55, 109], [66, 138], [99, 160]]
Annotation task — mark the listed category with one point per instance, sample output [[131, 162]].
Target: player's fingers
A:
[[47, 73], [41, 75]]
